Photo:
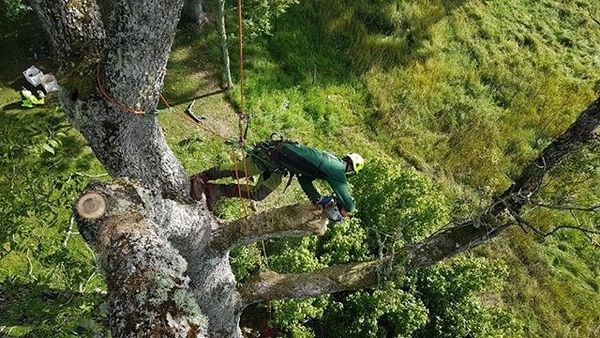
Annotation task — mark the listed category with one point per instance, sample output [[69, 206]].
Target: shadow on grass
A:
[[24, 129], [40, 310], [194, 65], [41, 152]]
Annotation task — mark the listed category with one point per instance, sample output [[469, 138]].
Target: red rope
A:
[[106, 95]]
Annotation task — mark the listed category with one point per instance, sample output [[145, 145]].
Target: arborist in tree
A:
[[276, 158]]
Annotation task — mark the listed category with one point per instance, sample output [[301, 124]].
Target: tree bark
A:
[[75, 31], [147, 286], [193, 12], [101, 94], [292, 220], [270, 285], [224, 47]]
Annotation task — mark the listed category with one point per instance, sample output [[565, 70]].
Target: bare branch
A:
[[292, 220], [270, 285], [587, 232], [592, 208]]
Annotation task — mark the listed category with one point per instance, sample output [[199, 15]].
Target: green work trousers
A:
[[267, 181]]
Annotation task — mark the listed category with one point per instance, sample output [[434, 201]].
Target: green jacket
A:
[[310, 164]]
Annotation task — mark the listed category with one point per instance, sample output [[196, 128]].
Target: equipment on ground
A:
[[36, 77], [190, 112], [29, 99]]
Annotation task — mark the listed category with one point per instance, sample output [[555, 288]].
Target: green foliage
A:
[[344, 243], [48, 277], [290, 314], [386, 312], [261, 14], [245, 260], [398, 202], [448, 293], [13, 10]]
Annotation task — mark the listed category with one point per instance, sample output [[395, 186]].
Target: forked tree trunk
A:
[[165, 256]]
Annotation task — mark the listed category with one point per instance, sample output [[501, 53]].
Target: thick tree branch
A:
[[292, 220], [147, 287], [579, 133], [139, 39], [270, 285], [74, 29]]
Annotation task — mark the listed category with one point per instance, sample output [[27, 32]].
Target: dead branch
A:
[[591, 208]]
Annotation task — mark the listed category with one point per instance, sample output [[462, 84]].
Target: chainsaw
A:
[[331, 209]]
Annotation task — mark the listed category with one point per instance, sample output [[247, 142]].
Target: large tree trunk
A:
[[165, 256]]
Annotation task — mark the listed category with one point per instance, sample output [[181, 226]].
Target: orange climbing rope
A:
[[243, 120], [242, 124]]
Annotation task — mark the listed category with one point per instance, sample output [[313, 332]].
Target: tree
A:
[[193, 12], [224, 48], [165, 256]]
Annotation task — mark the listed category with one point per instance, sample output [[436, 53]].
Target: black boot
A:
[[197, 187], [212, 193]]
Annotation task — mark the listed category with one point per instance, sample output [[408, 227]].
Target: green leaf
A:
[[48, 148]]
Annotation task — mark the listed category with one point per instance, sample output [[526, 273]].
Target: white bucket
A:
[[49, 83], [33, 75]]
